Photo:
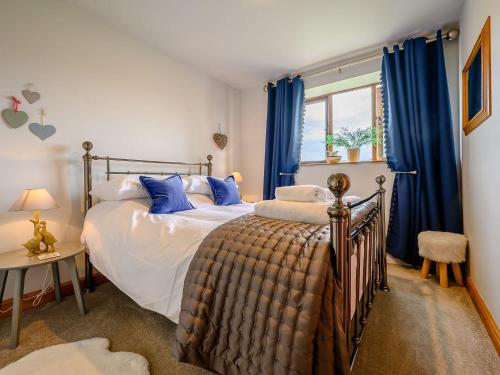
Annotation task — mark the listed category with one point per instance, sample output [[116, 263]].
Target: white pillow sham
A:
[[129, 187], [121, 188], [200, 200], [197, 185]]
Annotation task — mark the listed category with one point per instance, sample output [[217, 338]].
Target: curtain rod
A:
[[450, 35]]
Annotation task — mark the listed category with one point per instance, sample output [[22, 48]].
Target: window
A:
[[315, 126], [327, 115]]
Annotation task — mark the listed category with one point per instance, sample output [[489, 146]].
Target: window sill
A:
[[342, 162]]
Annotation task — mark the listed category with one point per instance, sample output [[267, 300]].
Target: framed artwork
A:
[[476, 82]]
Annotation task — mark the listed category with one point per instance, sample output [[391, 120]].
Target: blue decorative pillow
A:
[[225, 191], [168, 195]]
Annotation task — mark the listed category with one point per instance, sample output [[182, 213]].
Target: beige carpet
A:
[[417, 328]]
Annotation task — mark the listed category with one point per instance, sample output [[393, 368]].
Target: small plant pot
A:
[[353, 154], [333, 159]]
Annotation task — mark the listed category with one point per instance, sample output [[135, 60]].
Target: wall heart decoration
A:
[[220, 139], [31, 96], [13, 118], [42, 131]]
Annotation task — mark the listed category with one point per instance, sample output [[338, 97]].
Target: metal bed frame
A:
[[367, 240]]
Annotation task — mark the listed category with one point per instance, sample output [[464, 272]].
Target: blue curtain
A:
[[419, 136], [285, 109]]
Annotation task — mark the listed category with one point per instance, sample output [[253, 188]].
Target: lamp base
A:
[[40, 236]]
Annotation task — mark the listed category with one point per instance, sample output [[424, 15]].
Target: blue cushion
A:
[[225, 191], [168, 195]]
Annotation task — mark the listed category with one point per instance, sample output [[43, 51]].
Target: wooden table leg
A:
[[57, 281], [424, 273], [89, 279], [17, 310], [443, 275], [3, 281], [457, 272], [70, 262]]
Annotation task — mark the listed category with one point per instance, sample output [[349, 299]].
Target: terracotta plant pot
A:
[[353, 154], [333, 159]]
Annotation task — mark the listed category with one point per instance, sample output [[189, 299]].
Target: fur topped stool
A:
[[442, 248]]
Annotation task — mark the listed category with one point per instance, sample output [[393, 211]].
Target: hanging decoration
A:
[[40, 130], [220, 139], [31, 96], [13, 116]]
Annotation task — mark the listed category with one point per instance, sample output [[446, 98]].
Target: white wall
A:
[[253, 134], [253, 140], [481, 160], [97, 84]]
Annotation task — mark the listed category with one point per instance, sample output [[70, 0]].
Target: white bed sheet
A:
[[147, 256]]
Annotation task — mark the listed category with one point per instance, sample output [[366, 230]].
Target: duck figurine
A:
[[33, 245], [48, 238]]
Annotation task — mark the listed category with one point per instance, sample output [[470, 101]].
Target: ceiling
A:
[[246, 42]]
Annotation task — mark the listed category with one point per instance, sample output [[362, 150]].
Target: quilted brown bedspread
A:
[[259, 299]]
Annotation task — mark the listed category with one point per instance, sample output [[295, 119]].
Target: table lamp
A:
[[237, 176], [35, 200]]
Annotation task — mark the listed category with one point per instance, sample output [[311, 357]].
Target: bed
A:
[[149, 257], [137, 251]]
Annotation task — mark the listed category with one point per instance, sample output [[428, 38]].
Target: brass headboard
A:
[[87, 169]]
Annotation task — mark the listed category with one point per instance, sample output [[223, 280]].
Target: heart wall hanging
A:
[[13, 116], [31, 96], [220, 139], [40, 130]]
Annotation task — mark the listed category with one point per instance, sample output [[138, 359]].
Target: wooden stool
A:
[[442, 248]]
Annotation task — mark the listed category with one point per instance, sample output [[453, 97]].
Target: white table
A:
[[17, 262]]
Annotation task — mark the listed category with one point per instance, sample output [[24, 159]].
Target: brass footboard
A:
[[366, 244]]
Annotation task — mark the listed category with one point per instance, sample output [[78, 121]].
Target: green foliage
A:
[[356, 138], [329, 139]]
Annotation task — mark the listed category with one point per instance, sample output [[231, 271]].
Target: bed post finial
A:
[[209, 164], [87, 146], [380, 181], [339, 183]]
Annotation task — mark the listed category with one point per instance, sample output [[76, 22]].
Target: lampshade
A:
[[237, 176], [34, 199]]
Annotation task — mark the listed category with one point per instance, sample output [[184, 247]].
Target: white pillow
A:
[[200, 200], [117, 189], [197, 185]]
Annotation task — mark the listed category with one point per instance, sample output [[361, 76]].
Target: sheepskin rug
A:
[[89, 357]]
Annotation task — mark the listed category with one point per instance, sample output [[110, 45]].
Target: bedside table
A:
[[18, 263]]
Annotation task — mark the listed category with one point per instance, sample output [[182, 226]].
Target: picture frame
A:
[[476, 82]]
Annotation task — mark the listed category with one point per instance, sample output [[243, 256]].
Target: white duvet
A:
[[147, 256]]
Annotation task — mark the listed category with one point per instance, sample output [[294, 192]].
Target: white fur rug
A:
[[89, 357]]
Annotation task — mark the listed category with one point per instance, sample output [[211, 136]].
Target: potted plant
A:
[[332, 156], [353, 139]]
